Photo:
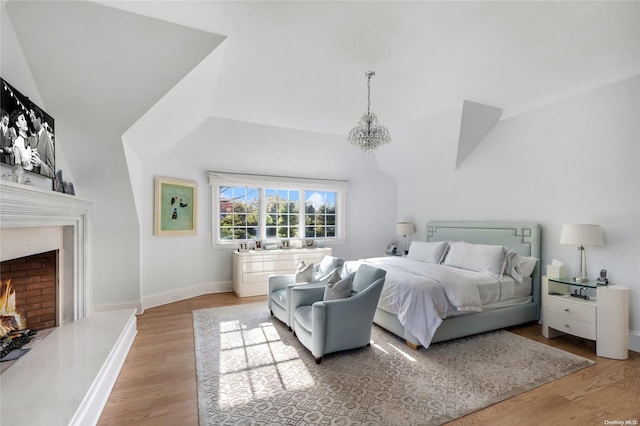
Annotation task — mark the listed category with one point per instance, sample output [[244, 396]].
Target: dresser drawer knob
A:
[[566, 309], [567, 326]]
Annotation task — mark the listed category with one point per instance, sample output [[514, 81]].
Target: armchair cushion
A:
[[304, 272], [340, 289], [326, 267]]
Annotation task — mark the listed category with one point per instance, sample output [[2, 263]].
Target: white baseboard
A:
[[178, 294], [634, 341], [118, 307]]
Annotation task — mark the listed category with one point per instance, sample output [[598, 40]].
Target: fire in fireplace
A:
[[13, 324], [28, 299], [10, 319]]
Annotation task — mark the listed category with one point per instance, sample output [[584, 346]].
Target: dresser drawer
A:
[[572, 326], [570, 309]]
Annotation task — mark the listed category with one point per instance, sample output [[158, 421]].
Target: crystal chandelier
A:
[[368, 134]]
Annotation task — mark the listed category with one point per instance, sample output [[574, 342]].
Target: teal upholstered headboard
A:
[[523, 237]]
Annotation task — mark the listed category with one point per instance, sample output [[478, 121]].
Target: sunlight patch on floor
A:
[[256, 363]]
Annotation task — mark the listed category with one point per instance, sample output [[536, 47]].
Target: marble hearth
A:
[[66, 378]]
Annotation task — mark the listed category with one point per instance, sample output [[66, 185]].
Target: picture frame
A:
[[258, 244], [285, 244], [243, 247], [175, 207], [38, 139], [309, 243]]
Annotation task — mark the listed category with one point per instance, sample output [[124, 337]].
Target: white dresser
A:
[[251, 269]]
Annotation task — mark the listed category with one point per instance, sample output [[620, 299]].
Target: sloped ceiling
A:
[[300, 64], [102, 64]]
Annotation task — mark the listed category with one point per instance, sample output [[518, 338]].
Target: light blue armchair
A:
[[336, 325], [280, 287]]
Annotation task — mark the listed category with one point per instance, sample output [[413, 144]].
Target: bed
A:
[[522, 238]]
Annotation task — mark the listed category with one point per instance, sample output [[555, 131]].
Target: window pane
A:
[[282, 205], [239, 208], [320, 214]]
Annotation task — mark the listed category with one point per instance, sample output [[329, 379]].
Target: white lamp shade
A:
[[404, 228], [581, 235]]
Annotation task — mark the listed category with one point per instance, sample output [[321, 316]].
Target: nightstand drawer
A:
[[571, 325], [570, 309]]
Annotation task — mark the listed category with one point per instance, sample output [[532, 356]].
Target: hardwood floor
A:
[[157, 384]]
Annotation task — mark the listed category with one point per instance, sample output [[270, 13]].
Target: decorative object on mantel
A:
[[404, 229], [59, 185], [581, 235], [176, 206], [368, 135]]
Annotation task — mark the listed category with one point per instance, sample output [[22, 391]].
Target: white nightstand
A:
[[587, 310]]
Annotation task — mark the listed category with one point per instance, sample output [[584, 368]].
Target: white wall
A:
[[572, 162], [175, 267]]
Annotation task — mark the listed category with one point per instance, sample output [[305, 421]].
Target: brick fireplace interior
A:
[[34, 280]]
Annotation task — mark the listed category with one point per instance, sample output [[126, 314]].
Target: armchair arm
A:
[[280, 282]]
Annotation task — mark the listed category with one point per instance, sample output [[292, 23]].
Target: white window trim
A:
[[218, 179]]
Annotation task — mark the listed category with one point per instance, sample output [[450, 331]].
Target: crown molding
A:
[[602, 81]]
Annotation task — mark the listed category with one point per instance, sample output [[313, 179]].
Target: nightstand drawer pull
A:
[[566, 309], [567, 326]]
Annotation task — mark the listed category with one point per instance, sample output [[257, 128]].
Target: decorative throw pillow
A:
[[304, 273], [339, 290], [428, 252], [518, 266], [333, 277], [476, 257]]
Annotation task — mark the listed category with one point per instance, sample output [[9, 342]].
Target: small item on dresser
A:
[[556, 269], [602, 279]]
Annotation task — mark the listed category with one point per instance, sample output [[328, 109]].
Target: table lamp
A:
[[404, 229], [581, 235]]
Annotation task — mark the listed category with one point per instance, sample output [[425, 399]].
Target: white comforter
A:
[[422, 294]]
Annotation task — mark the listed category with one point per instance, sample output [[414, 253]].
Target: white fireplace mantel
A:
[[23, 206], [69, 374]]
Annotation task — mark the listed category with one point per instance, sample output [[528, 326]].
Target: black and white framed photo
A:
[[309, 243], [27, 133], [243, 247], [258, 244], [285, 244]]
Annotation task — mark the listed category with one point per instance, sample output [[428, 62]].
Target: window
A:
[[239, 213], [247, 207], [320, 214]]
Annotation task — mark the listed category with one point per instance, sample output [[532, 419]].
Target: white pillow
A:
[[304, 273], [476, 257], [428, 252], [518, 266], [339, 290]]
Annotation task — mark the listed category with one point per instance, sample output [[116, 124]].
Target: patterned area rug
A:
[[252, 371]]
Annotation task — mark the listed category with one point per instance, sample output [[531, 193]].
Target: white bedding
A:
[[421, 294]]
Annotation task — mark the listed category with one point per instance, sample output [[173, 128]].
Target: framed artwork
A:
[[309, 243], [31, 142], [176, 207], [243, 247], [258, 245]]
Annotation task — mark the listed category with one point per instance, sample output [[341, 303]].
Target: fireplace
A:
[[29, 293], [35, 221], [69, 373]]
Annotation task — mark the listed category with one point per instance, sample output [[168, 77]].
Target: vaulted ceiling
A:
[[300, 64]]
